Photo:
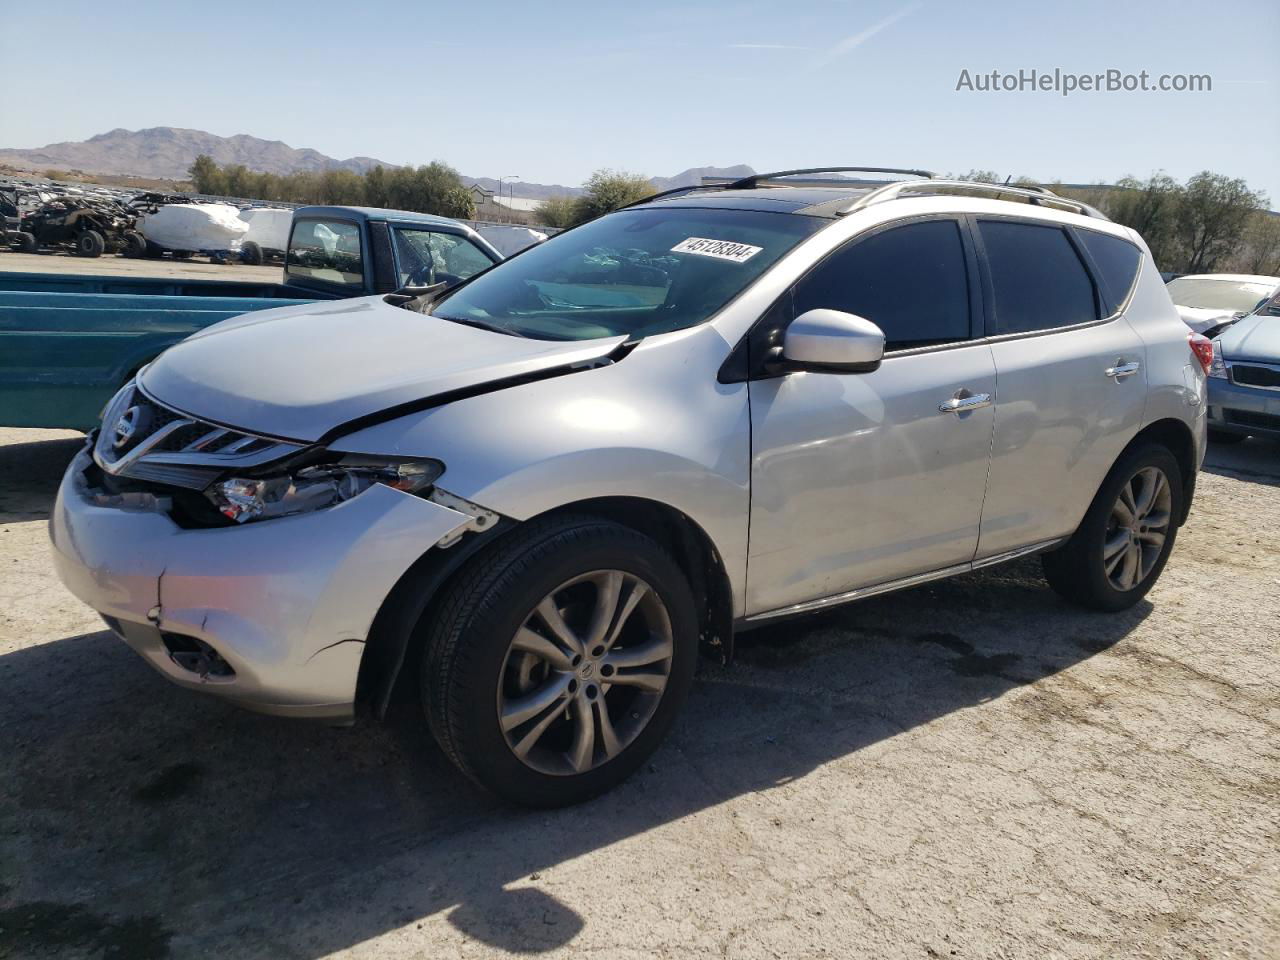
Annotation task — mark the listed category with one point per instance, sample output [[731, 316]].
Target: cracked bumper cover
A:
[[288, 603]]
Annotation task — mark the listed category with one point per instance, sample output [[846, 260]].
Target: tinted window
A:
[[911, 281], [1039, 280], [327, 250], [1117, 260], [427, 257]]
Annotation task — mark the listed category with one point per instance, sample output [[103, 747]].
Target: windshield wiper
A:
[[482, 325]]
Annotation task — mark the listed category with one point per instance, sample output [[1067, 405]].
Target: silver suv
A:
[[532, 497]]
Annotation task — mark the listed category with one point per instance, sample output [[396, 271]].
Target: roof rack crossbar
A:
[[748, 183], [1033, 194]]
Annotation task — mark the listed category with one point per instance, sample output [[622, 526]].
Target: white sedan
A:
[[1206, 300]]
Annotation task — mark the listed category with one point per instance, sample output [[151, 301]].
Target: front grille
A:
[[1248, 418], [146, 440], [1256, 376]]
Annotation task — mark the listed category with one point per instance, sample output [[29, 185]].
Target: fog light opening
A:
[[196, 656]]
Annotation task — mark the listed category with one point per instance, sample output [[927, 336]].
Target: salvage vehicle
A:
[[90, 226], [1208, 300], [1244, 380], [530, 498], [67, 343], [268, 235]]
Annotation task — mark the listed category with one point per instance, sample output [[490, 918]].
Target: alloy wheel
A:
[[1137, 528], [585, 672]]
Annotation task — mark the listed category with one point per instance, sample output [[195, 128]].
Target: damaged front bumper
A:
[[271, 615]]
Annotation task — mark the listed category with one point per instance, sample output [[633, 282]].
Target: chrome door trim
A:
[[975, 401], [822, 603], [1122, 370]]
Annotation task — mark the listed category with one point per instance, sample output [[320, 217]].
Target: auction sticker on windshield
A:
[[720, 249]]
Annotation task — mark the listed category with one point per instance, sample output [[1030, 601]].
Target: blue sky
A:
[[551, 91]]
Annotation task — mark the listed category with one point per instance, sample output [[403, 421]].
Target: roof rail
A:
[[1032, 194], [748, 183], [673, 192]]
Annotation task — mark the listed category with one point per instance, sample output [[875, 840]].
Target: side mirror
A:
[[833, 341]]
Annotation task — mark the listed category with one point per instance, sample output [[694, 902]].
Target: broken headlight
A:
[[243, 499]]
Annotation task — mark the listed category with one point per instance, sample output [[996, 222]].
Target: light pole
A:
[[510, 190]]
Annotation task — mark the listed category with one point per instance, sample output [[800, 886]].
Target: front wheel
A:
[[557, 662], [1122, 544]]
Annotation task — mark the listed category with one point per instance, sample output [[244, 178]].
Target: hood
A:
[[298, 372], [1256, 337], [1201, 319]]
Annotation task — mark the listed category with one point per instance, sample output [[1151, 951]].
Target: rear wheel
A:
[[557, 662], [27, 241], [251, 254], [90, 243], [1122, 544], [135, 245]]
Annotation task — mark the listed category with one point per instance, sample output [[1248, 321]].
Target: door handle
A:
[[1122, 369], [974, 401]]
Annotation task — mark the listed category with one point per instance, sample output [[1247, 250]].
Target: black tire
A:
[[468, 634], [135, 245], [27, 242], [1077, 570], [154, 250], [90, 243], [1225, 436], [251, 254]]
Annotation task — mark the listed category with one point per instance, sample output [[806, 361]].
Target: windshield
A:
[[635, 272], [1233, 296]]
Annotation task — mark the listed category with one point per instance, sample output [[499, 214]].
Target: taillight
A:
[[1202, 347]]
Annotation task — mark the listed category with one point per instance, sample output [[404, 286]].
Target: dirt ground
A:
[[51, 261], [971, 769]]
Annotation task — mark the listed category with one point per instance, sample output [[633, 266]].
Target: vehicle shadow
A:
[[140, 820], [30, 473], [1256, 460]]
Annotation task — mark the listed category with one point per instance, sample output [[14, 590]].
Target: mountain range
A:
[[167, 153]]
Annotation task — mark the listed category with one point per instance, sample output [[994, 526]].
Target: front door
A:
[[859, 479]]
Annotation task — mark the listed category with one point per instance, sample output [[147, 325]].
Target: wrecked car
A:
[[529, 498], [67, 343], [90, 226]]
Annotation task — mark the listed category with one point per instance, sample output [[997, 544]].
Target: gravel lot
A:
[[971, 769]]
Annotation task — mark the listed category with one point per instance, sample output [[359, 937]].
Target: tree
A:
[[557, 211], [1152, 208], [1261, 253], [608, 190], [341, 187], [205, 175], [1212, 217], [375, 187]]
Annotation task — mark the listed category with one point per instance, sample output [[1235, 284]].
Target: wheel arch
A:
[[1178, 439], [389, 647]]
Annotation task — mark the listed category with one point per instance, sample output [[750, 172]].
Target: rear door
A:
[[862, 478], [1070, 369]]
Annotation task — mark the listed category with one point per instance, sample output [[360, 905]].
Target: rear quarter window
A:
[[1039, 281], [1117, 261]]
